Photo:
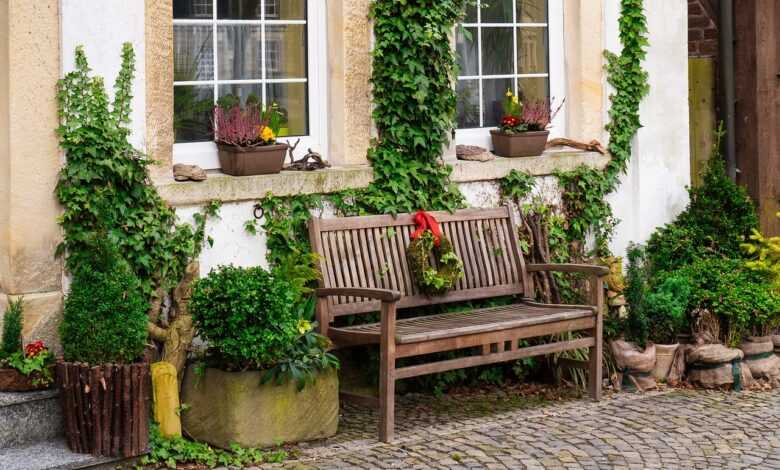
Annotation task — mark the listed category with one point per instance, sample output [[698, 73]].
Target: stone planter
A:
[[106, 408], [233, 407], [11, 380], [664, 356], [525, 144], [246, 161]]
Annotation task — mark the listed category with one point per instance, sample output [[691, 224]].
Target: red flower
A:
[[34, 348], [510, 121]]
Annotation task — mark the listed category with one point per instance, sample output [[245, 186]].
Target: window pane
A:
[[532, 50], [240, 53], [471, 12], [292, 100], [192, 106], [285, 9], [496, 11], [533, 89], [193, 9], [285, 51], [468, 104], [193, 53], [466, 39], [230, 95], [497, 51], [239, 9], [532, 11], [493, 95]]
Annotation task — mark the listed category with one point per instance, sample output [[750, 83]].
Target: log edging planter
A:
[[105, 408]]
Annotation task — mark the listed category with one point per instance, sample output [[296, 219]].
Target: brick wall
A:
[[702, 28]]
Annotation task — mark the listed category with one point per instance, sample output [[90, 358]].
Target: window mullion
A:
[[215, 50], [479, 63], [515, 33], [263, 72]]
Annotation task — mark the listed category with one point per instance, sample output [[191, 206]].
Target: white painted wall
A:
[[102, 26], [654, 190]]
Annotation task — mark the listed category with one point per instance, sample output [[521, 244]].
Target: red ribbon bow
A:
[[426, 221]]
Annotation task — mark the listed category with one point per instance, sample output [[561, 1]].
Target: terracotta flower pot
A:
[[11, 380], [524, 144], [105, 408], [246, 161], [664, 356]]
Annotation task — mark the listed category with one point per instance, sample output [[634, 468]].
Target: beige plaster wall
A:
[[159, 84], [585, 77], [29, 163]]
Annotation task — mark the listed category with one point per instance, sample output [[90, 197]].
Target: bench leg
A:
[[387, 374], [595, 356]]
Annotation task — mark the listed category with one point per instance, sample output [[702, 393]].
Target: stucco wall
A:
[[653, 192]]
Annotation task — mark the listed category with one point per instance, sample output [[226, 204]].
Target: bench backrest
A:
[[370, 252]]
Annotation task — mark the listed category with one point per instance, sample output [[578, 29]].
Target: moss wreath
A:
[[426, 240]]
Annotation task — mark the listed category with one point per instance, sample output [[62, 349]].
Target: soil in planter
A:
[[106, 408], [11, 380]]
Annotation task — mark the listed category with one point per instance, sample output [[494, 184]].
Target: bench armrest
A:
[[385, 295], [591, 269]]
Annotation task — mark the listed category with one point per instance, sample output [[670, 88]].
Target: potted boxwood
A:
[[267, 377], [22, 369], [246, 139], [104, 384], [523, 129]]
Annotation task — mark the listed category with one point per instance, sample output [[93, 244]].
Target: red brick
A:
[[699, 22], [708, 48], [711, 33], [694, 8], [695, 34]]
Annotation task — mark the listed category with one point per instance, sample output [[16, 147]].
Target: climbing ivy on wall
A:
[[414, 69], [104, 185]]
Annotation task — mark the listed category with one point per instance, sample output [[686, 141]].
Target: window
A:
[[234, 51], [506, 45]]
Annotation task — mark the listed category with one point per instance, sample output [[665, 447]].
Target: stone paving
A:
[[668, 430]]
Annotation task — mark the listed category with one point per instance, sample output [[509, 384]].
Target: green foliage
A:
[[104, 185], [430, 280], [744, 300], [35, 366], [414, 105], [246, 316], [719, 217], [517, 185], [666, 307], [764, 253], [637, 323], [169, 452], [12, 328], [105, 318]]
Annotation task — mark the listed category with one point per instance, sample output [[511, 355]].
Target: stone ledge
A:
[[247, 188]]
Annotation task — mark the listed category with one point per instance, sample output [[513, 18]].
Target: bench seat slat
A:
[[450, 325]]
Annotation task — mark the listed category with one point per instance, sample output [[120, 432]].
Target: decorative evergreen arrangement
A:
[[105, 187], [430, 280], [415, 103]]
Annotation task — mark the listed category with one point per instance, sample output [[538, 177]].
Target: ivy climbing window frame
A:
[[556, 71], [204, 153]]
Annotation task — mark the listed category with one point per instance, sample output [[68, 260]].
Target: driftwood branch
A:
[[592, 146]]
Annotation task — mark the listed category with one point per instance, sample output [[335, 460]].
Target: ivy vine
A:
[[105, 187]]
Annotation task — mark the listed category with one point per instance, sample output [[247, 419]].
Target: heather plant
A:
[[526, 117], [249, 126]]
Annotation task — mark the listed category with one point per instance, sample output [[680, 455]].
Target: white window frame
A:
[[204, 154], [556, 74]]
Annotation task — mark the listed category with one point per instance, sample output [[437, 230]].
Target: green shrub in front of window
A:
[[105, 316]]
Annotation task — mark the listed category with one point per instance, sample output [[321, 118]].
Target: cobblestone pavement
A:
[[673, 429]]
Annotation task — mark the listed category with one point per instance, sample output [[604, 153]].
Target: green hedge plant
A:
[[105, 317], [12, 329]]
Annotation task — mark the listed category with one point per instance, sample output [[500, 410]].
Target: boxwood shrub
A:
[[105, 316], [248, 317]]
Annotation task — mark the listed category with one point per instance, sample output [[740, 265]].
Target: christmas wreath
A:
[[428, 239]]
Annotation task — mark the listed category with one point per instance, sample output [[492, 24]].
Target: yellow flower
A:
[[267, 134], [508, 93], [304, 326], [515, 100]]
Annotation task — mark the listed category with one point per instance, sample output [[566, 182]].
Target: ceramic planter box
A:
[[247, 161], [524, 144], [233, 407]]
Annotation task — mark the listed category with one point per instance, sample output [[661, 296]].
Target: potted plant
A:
[[523, 129], [104, 384], [267, 377], [667, 311], [22, 369], [246, 139]]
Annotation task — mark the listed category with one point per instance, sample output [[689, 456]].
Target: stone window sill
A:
[[235, 189]]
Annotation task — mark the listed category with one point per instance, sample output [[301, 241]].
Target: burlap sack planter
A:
[[776, 342], [715, 366], [760, 357], [635, 366], [233, 407]]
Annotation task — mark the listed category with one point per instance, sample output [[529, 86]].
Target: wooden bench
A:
[[365, 269]]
